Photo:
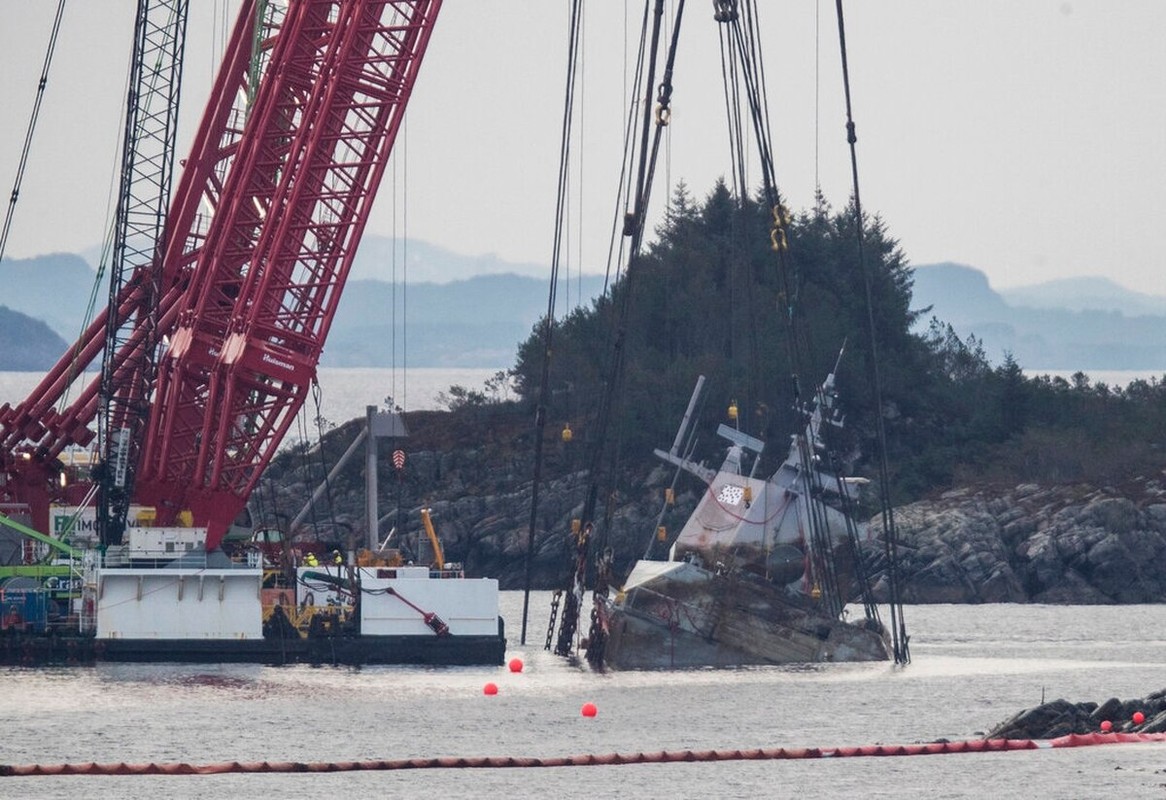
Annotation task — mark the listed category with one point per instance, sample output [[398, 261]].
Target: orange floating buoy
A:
[[1139, 717], [589, 710], [515, 665], [490, 688], [1106, 725]]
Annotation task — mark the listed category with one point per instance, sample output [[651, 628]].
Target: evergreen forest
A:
[[713, 296]]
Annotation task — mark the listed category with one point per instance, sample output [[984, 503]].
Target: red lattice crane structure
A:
[[261, 233]]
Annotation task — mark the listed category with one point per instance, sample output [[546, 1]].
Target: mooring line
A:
[[591, 760]]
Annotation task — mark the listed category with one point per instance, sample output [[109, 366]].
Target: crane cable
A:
[[633, 231], [751, 75], [316, 394], [899, 636], [616, 243], [742, 65], [565, 641], [40, 93], [548, 322]]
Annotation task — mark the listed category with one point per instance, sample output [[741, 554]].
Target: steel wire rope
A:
[[849, 504], [850, 508], [107, 244], [817, 99], [399, 244], [31, 130], [393, 293], [548, 323], [570, 613], [739, 171], [745, 41], [404, 403], [104, 261], [26, 150], [869, 604], [633, 230], [581, 172], [753, 86], [618, 245], [737, 161], [757, 54], [304, 448], [316, 394], [899, 638], [617, 242]]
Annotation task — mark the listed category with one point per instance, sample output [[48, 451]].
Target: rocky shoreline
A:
[[1061, 718], [1070, 544], [1060, 544]]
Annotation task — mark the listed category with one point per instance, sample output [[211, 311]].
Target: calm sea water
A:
[[344, 393], [973, 667]]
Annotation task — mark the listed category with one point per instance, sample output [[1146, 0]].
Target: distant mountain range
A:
[[474, 316], [473, 311], [27, 344], [1086, 324], [475, 322]]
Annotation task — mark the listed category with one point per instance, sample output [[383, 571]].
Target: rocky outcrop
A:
[[1053, 544], [1028, 543], [479, 497], [1061, 718]]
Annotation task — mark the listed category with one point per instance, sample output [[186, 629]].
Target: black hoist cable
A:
[[633, 230], [40, 93], [899, 636], [548, 324]]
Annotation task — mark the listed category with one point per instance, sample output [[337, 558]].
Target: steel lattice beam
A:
[[267, 281]]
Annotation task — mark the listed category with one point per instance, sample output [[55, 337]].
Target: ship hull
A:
[[678, 615], [72, 648], [183, 614]]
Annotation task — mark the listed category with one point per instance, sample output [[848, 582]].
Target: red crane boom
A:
[[263, 227]]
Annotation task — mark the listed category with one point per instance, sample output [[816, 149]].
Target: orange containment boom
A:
[[660, 757]]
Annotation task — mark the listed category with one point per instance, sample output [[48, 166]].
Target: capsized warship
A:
[[762, 571]]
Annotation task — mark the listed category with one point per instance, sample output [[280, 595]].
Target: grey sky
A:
[[1024, 137]]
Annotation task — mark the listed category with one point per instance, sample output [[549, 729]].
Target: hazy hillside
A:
[[1086, 294], [477, 322], [458, 318], [1079, 324], [53, 288], [467, 322], [27, 344], [381, 258]]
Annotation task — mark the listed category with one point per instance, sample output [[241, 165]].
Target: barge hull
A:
[[30, 649]]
